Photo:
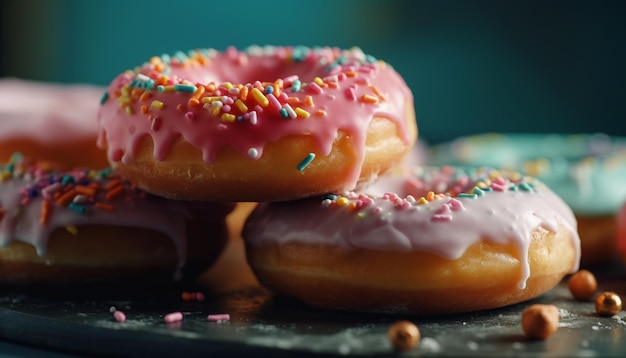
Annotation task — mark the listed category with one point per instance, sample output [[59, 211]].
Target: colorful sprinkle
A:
[[306, 161]]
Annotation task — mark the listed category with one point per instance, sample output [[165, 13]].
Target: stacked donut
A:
[[586, 170], [318, 137], [66, 217]]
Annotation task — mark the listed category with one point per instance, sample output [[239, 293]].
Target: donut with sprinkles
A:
[[587, 170], [426, 240], [81, 225], [263, 124]]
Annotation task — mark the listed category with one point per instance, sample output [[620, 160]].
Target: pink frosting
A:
[[297, 91], [501, 209], [49, 113], [24, 188]]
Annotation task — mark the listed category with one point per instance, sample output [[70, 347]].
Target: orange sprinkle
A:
[[350, 73], [210, 87], [180, 107], [162, 80], [105, 207], [46, 207], [199, 92], [159, 67], [145, 96], [320, 113], [308, 100], [293, 100], [144, 108], [278, 84], [136, 92], [85, 190], [193, 102], [67, 197], [430, 196], [377, 92], [114, 193], [243, 93], [113, 183], [368, 98]]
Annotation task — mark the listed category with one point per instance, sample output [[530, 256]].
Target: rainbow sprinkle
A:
[[457, 185], [236, 104]]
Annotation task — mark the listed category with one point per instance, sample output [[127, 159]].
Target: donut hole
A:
[[250, 70]]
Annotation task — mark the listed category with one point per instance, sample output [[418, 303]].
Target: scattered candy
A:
[[404, 335], [608, 304], [540, 321], [583, 285]]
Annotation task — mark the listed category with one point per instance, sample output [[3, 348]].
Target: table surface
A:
[[78, 320]]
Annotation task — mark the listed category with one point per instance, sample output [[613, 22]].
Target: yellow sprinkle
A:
[[368, 98], [129, 110], [242, 106], [260, 97], [494, 175], [124, 101], [360, 215], [227, 117], [302, 113], [4, 176], [216, 110], [169, 89], [319, 81], [125, 91], [72, 229], [227, 85], [156, 104], [343, 201], [481, 184], [211, 99], [422, 201]]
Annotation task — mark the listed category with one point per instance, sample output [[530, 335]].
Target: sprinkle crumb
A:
[[173, 317], [119, 316], [221, 317]]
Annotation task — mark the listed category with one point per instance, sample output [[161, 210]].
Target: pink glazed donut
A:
[[448, 241], [68, 226], [264, 124]]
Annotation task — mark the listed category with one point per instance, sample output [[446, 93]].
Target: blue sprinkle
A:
[[67, 179], [467, 195], [486, 189], [283, 113], [296, 85], [478, 191], [525, 186], [240, 119], [185, 88], [181, 56], [331, 197], [104, 98], [166, 58], [149, 84], [370, 59], [160, 88], [77, 208], [269, 90], [513, 188], [304, 163], [33, 193]]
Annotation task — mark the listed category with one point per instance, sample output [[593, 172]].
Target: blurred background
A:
[[473, 66]]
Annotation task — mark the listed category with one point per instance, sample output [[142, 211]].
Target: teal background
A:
[[473, 66]]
